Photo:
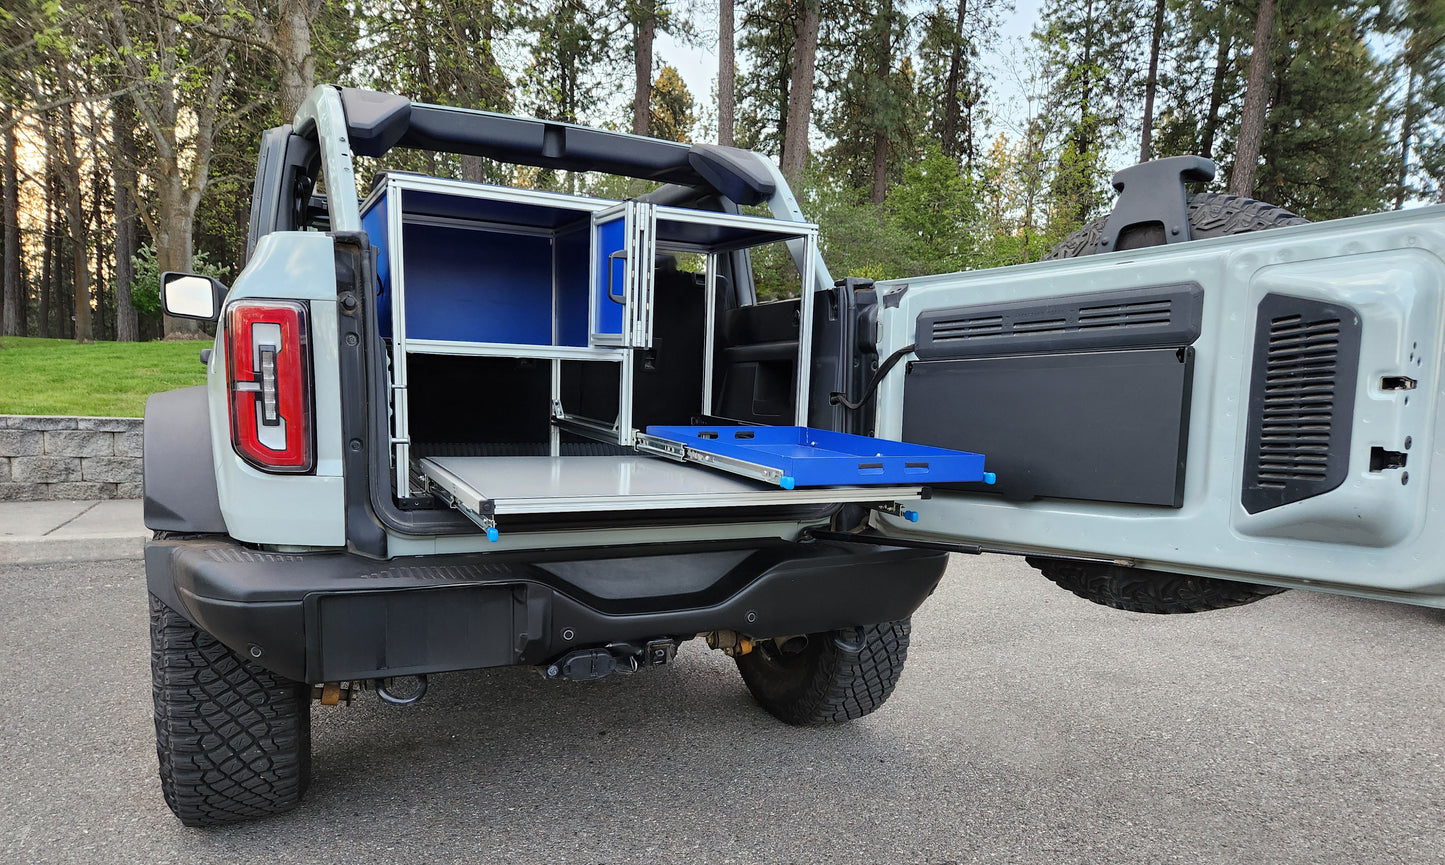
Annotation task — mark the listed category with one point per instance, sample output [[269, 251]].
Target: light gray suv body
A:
[[428, 438]]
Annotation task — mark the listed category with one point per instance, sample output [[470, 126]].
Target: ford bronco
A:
[[450, 425]]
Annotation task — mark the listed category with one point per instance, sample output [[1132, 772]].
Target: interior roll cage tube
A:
[[346, 121]]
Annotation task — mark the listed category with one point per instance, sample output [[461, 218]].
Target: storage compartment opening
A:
[[535, 337], [473, 406], [493, 407]]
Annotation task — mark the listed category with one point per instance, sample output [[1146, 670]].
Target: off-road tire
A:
[[234, 740], [838, 676], [1210, 215], [1142, 591]]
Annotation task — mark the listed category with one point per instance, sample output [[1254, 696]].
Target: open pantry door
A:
[[1264, 407], [623, 248]]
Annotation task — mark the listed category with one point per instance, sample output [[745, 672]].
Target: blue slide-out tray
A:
[[810, 457]]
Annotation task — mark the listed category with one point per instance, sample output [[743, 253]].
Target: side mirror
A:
[[186, 295]]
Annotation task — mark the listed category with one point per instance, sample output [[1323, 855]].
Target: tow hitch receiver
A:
[[659, 652], [585, 664]]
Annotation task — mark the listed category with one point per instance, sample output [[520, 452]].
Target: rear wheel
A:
[[1142, 591], [233, 739], [833, 677]]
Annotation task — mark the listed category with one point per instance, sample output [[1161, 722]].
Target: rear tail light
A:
[[269, 361]]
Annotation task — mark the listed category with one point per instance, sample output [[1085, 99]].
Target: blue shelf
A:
[[810, 457]]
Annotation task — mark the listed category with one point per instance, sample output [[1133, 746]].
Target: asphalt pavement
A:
[[1030, 726]]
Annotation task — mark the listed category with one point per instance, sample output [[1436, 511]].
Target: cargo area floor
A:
[[532, 485]]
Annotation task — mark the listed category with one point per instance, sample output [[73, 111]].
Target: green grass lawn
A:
[[107, 379]]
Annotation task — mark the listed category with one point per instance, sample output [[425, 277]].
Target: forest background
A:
[[128, 128]]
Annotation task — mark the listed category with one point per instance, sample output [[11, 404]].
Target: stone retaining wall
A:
[[69, 458]]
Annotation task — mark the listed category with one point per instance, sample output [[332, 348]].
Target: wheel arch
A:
[[179, 471]]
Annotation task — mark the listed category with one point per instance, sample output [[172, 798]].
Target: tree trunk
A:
[[175, 223], [1216, 93], [726, 73], [425, 76], [473, 169], [8, 306], [103, 324], [178, 171], [1407, 132], [47, 265], [880, 131], [296, 64], [880, 167], [123, 133], [1256, 101], [10, 214], [642, 97], [79, 235], [59, 300], [1146, 143], [952, 98], [1083, 138], [800, 94]]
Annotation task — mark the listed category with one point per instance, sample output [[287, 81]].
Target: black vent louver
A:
[[1143, 313], [1155, 316], [1301, 400]]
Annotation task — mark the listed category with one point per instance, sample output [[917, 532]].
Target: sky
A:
[[698, 63]]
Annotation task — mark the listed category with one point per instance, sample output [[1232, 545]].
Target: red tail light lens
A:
[[268, 356]]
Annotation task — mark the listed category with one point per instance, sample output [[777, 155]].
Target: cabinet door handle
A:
[[615, 298]]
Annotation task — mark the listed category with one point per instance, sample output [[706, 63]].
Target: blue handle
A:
[[911, 516], [786, 482], [493, 534], [990, 478]]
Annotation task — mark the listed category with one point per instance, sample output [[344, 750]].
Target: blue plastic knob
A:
[[493, 534], [911, 516], [990, 477], [786, 482]]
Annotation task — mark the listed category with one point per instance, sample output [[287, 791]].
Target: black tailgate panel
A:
[[1105, 426]]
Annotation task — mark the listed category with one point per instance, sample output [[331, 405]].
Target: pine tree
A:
[[765, 42], [1420, 158], [1199, 78], [561, 81], [673, 110], [870, 110], [1091, 64], [951, 85], [1327, 149]]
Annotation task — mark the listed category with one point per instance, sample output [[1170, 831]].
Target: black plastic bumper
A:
[[325, 617]]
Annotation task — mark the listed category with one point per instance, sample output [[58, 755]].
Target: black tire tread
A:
[[1144, 591], [1210, 215], [233, 739], [841, 676]]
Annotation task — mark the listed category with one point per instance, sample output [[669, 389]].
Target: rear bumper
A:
[[323, 617]]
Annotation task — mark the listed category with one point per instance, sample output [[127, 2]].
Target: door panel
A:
[[1104, 425], [1307, 432], [624, 249]]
